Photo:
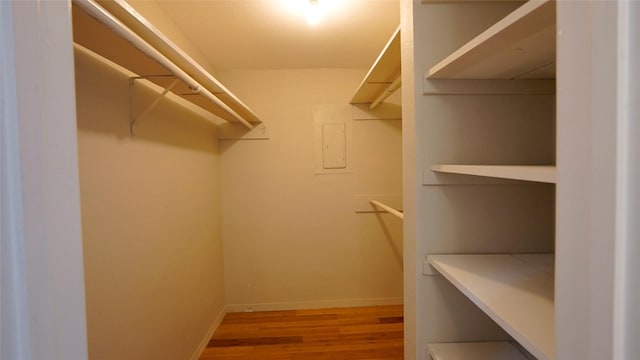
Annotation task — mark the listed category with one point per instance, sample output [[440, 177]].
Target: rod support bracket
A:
[[132, 80]]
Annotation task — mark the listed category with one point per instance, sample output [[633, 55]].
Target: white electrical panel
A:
[[333, 138], [334, 146]]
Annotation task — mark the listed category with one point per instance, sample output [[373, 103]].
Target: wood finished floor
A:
[[372, 333]]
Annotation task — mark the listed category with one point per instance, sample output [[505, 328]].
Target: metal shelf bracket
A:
[[132, 80]]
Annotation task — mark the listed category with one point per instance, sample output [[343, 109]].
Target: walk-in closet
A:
[[382, 179], [245, 191]]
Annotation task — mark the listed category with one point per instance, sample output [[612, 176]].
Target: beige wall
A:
[[153, 12], [292, 238], [151, 222]]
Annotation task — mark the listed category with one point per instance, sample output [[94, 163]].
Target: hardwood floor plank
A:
[[272, 340], [265, 331], [276, 317], [391, 319], [372, 333]]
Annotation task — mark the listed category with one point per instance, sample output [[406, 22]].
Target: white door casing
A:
[[42, 290]]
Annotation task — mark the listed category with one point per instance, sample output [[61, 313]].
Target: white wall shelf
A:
[[80, 51], [501, 350], [114, 30], [515, 290], [382, 74], [520, 46], [545, 174]]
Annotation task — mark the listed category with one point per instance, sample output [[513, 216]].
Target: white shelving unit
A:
[[383, 76], [476, 61], [502, 350], [544, 174], [515, 290], [520, 46]]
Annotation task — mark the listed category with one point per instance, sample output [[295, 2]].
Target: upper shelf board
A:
[[520, 46], [383, 72], [501, 350], [515, 290], [467, 1], [536, 173], [95, 36]]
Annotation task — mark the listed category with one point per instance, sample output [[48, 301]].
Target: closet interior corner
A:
[[116, 33], [384, 76], [183, 224], [372, 101]]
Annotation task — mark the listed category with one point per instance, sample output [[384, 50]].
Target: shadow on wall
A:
[[395, 242], [104, 91], [525, 211]]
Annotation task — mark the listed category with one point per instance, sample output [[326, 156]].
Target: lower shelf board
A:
[[501, 350], [515, 290], [535, 173]]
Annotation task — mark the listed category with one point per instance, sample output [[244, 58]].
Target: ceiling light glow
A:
[[314, 11]]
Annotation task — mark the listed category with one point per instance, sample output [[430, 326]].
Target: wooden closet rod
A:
[[388, 209], [395, 85], [100, 14]]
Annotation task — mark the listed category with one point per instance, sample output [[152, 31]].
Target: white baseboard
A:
[[313, 304], [205, 340]]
